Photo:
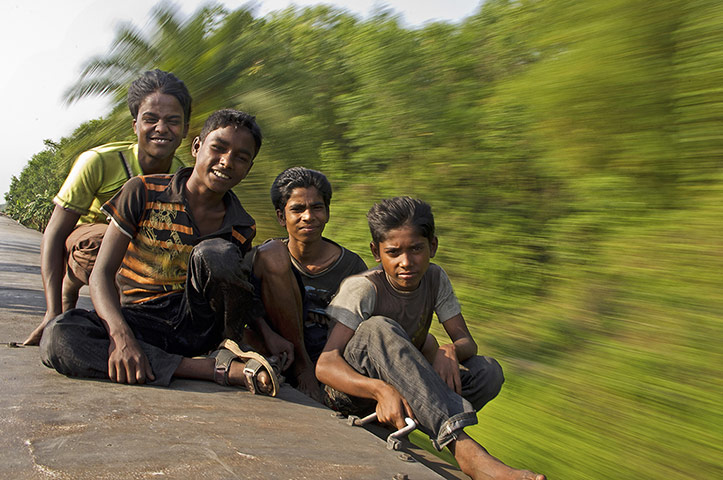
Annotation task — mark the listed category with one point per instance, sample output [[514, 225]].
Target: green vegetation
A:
[[573, 154]]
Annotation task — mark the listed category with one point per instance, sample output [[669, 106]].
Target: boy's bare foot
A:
[[476, 462], [308, 384], [35, 336], [236, 377]]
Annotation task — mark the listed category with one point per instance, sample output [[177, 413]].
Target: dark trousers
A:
[[218, 302]]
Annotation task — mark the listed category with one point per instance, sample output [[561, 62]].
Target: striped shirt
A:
[[152, 211]]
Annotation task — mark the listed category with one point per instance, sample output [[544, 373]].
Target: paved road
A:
[[53, 427]]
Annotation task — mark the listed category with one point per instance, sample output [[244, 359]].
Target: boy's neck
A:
[[314, 256], [151, 166], [207, 208]]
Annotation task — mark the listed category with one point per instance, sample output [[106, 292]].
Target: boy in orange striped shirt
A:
[[179, 247]]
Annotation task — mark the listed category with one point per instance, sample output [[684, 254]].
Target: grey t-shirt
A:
[[370, 293]]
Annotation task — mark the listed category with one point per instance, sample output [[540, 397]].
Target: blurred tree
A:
[[209, 51], [698, 93]]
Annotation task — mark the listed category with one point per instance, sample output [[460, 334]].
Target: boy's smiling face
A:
[[160, 128], [404, 254], [223, 159]]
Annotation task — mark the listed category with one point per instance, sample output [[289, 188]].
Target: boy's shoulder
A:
[[113, 147]]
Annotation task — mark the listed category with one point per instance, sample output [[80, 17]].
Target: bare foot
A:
[[236, 377], [37, 334], [476, 462], [308, 384]]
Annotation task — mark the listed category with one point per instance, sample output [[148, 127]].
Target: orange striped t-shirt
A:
[[151, 210]]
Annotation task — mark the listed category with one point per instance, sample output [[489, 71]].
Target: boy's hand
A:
[[392, 407], [126, 361], [278, 345], [446, 365]]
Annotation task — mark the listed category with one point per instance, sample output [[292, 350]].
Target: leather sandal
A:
[[229, 351]]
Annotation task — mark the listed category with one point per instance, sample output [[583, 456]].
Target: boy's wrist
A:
[[450, 347], [120, 336], [381, 389]]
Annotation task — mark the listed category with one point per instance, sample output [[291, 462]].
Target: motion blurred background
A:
[[573, 154]]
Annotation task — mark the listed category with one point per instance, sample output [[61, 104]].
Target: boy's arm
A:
[[448, 356], [126, 361], [333, 370], [430, 347], [52, 266], [76, 193]]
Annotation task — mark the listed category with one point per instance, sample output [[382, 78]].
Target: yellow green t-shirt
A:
[[96, 177]]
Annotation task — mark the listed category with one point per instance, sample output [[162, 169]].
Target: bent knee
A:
[[495, 373], [485, 379], [382, 328], [272, 258], [214, 251], [56, 339], [215, 258]]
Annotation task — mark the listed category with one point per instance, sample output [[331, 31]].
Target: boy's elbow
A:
[[98, 280], [323, 367], [320, 369], [469, 349]]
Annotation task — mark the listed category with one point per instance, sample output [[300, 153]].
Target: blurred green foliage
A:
[[573, 154]]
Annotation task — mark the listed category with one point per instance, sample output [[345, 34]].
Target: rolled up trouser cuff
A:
[[452, 427]]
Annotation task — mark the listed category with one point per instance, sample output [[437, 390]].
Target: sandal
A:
[[229, 351]]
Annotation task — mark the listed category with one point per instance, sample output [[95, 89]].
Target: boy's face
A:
[[304, 215], [160, 128], [404, 255], [224, 158]]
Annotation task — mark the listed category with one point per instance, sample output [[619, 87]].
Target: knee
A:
[[55, 340], [215, 257], [381, 327], [384, 332], [486, 378], [214, 250], [272, 258], [496, 375]]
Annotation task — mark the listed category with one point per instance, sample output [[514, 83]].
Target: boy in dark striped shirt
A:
[[179, 247]]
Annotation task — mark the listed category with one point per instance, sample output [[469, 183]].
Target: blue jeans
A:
[[381, 349], [216, 304]]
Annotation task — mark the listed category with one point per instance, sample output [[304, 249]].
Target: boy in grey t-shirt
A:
[[380, 349]]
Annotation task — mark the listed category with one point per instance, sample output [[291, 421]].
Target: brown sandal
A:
[[229, 351]]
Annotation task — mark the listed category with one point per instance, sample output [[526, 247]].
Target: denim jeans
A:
[[381, 349], [217, 303]]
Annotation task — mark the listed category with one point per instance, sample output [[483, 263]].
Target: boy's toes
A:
[[263, 382]]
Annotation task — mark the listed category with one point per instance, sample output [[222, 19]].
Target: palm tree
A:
[[209, 51]]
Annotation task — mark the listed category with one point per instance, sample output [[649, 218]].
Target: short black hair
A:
[[299, 177], [397, 212], [159, 81], [227, 117]]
